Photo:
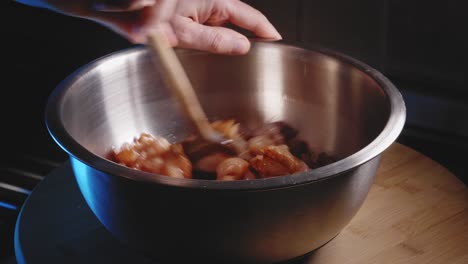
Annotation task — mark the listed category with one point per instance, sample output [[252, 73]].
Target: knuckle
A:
[[183, 33], [217, 42]]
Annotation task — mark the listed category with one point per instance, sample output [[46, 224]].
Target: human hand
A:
[[196, 24]]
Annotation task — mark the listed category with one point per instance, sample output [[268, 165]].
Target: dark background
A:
[[419, 45]]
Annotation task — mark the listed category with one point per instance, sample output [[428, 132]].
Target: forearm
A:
[[81, 8], [35, 3]]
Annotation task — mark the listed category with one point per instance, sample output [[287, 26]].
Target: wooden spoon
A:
[[177, 80]]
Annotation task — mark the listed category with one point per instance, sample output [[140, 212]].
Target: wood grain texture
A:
[[416, 212]]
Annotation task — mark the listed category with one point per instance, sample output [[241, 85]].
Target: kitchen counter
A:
[[416, 212]]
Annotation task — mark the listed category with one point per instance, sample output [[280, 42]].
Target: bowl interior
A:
[[337, 107]]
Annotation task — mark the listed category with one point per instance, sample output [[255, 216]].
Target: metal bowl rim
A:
[[385, 138]]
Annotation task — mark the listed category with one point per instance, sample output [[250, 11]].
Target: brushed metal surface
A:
[[340, 106]]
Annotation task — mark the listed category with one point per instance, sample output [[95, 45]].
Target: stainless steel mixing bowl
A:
[[340, 106]]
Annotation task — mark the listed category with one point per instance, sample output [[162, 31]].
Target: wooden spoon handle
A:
[[176, 79]]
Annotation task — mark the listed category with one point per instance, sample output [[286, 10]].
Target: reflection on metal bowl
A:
[[340, 106]]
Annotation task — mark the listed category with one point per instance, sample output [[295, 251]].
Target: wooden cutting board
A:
[[416, 212]]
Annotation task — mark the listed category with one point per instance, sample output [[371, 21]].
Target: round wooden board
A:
[[416, 212]]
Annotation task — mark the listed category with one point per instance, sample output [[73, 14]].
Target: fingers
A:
[[247, 17], [220, 40], [121, 5], [182, 30]]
